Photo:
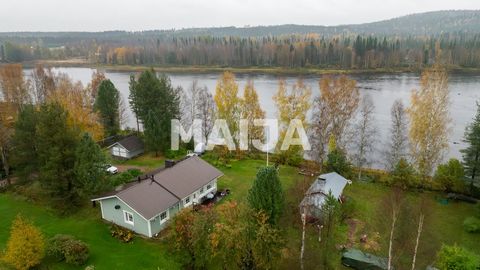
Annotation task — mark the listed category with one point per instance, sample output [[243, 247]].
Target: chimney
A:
[[169, 163]]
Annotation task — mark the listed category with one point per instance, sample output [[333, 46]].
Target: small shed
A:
[[315, 196], [127, 148]]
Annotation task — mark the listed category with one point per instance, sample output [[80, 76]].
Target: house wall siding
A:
[[116, 216], [140, 224], [122, 153], [155, 223]]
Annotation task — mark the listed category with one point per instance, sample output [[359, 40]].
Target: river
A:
[[384, 89]]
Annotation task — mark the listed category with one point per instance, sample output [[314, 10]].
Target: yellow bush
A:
[[26, 247]]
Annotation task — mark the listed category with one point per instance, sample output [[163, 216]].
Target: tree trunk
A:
[[419, 232], [6, 166], [390, 245], [138, 125], [474, 171], [302, 250]]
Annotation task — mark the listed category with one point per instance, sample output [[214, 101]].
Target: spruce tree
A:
[[266, 194], [153, 132], [88, 168], [107, 104], [471, 154]]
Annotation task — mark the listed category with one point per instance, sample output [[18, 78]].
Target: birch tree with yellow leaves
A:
[[14, 88], [227, 101], [250, 111], [333, 112], [76, 99], [292, 103], [430, 120]]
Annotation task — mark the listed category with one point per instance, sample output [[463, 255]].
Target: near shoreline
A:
[[238, 70]]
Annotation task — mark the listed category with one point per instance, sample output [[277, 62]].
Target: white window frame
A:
[[132, 222], [166, 217], [185, 201]]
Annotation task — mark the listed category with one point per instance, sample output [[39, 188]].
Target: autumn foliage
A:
[[26, 247]]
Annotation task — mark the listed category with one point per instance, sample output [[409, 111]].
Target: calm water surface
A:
[[384, 88]]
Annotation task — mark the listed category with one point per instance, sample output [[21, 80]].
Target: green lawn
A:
[[444, 225], [146, 162], [106, 252]]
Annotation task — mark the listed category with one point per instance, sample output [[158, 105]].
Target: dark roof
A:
[[148, 198], [151, 197], [131, 143], [187, 176]]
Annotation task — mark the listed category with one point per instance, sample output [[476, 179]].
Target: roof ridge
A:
[[146, 177], [162, 186]]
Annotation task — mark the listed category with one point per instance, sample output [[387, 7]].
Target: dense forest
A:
[[449, 37]]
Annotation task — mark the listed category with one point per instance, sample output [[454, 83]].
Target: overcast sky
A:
[[100, 15]]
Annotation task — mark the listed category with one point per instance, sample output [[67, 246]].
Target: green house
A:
[[147, 204]]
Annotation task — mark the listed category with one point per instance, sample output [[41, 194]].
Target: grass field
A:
[[444, 224], [106, 252], [145, 162]]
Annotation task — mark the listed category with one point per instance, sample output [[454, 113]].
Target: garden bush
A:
[[121, 234], [472, 225], [67, 248], [455, 257], [124, 177]]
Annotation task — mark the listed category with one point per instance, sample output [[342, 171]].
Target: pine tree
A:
[[156, 101], [266, 194], [56, 143], [26, 246], [25, 155], [88, 170], [471, 154], [107, 103], [331, 220]]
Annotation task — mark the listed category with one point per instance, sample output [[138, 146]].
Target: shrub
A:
[[472, 224], [404, 175], [121, 233], [451, 176], [337, 162], [455, 257], [25, 248], [76, 252], [67, 248], [347, 209], [124, 177]]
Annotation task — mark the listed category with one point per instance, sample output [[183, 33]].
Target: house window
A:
[[163, 217], [187, 200], [201, 190], [128, 217], [209, 186]]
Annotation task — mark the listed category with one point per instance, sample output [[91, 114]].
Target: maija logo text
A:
[[221, 135]]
